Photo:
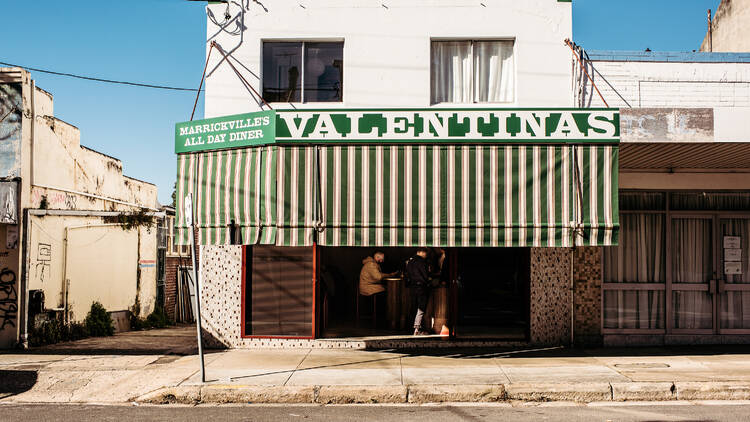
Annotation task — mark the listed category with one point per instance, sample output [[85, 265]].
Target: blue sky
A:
[[162, 42]]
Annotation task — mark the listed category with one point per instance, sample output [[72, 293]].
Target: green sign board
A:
[[436, 125], [239, 130], [410, 125]]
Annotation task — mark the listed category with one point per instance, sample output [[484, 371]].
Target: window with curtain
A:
[[639, 258], [472, 72], [303, 71], [734, 309]]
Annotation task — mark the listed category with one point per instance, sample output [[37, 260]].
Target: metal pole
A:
[[189, 216]]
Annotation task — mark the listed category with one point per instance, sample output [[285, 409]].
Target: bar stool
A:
[[374, 314]]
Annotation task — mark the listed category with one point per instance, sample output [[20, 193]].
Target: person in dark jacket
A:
[[418, 272]]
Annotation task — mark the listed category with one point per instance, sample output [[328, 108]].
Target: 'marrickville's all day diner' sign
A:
[[436, 125]]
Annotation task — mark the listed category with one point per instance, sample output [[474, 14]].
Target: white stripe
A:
[[227, 192], [366, 195], [336, 195], [280, 208], [465, 217], [536, 202], [323, 235], [608, 194], [351, 166], [237, 191], [436, 193], [493, 196], [422, 203], [394, 195], [379, 205], [508, 196], [522, 195], [479, 199], [551, 196], [451, 196], [408, 164]]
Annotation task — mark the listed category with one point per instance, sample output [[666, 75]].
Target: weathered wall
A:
[[11, 109], [387, 47], [9, 290], [587, 294], [550, 296], [731, 27], [100, 263]]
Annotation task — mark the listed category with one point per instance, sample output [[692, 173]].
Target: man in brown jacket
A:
[[371, 277]]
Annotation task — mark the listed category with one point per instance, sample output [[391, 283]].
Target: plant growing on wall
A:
[[132, 220]]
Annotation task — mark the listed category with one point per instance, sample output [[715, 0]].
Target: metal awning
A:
[[405, 195], [670, 156]]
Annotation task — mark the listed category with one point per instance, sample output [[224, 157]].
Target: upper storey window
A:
[[472, 72], [296, 72]]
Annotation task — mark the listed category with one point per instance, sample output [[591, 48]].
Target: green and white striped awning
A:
[[406, 195]]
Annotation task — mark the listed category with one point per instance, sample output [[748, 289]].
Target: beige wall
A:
[[731, 27], [100, 263], [686, 181]]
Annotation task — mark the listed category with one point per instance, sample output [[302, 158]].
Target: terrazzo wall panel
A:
[[587, 276], [550, 296]]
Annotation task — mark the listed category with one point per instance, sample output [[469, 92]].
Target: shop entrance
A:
[[492, 293], [480, 293]]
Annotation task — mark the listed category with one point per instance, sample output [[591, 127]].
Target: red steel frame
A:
[[243, 283]]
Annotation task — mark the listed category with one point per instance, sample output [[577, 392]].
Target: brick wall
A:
[[587, 294], [170, 280]]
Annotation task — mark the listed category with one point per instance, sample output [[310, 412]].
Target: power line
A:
[[91, 78]]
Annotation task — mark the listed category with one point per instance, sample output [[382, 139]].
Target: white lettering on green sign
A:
[[226, 132], [470, 125]]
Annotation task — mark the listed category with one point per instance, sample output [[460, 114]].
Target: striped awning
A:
[[408, 195]]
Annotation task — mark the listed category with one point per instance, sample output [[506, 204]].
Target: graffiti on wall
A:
[[43, 260], [54, 200], [8, 202], [11, 106], [8, 298]]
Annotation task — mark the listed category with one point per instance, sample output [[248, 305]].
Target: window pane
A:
[[640, 257], [493, 71], [280, 292], [451, 76], [739, 227], [735, 309], [634, 309], [726, 201], [692, 309], [692, 252], [324, 71], [282, 64]]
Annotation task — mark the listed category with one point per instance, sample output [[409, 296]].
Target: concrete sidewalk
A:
[[359, 376]]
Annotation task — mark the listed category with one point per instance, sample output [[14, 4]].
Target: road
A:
[[675, 411]]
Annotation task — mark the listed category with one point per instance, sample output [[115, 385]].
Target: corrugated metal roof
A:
[[667, 56], [665, 156]]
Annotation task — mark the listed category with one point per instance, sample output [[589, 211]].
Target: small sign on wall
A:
[[732, 267], [733, 255], [732, 242]]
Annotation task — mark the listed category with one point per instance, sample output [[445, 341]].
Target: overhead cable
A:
[[91, 78]]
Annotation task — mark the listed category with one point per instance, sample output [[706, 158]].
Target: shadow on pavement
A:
[[13, 382]]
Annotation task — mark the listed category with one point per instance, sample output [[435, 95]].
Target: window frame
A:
[[472, 41], [304, 41], [666, 286]]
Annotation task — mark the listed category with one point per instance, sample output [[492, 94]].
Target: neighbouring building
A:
[[729, 30], [336, 129], [173, 290], [64, 207]]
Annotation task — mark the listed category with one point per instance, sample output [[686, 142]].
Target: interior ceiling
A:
[[676, 156]]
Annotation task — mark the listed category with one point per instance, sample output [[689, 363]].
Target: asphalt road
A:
[[676, 411]]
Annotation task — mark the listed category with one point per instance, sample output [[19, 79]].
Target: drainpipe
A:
[[65, 280], [25, 232]]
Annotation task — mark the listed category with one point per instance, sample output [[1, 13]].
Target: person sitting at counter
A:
[[371, 276]]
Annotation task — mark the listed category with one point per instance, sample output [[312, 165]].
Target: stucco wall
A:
[[387, 47], [731, 27], [100, 263]]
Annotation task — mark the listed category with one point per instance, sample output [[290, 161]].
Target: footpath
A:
[[361, 376]]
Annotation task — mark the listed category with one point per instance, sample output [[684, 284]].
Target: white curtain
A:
[[691, 263], [735, 305], [466, 73], [493, 71], [451, 72], [638, 259]]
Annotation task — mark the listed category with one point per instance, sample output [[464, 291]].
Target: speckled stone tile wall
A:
[[587, 293], [550, 296]]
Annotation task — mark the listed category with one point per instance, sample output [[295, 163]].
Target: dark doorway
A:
[[492, 290]]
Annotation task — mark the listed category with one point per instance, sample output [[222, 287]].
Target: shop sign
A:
[[239, 130], [473, 125], [733, 268]]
